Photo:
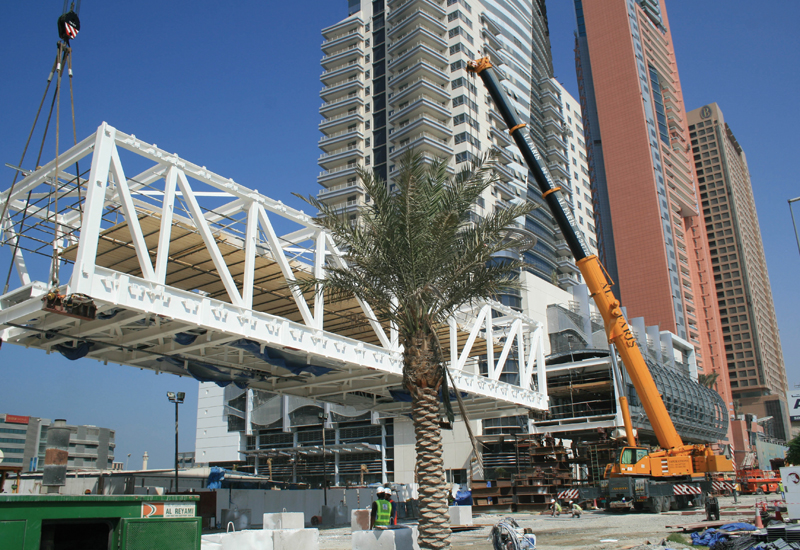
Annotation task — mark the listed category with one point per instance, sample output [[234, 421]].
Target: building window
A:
[[658, 102]]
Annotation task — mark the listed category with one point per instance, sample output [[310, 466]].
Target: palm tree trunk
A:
[[434, 521], [422, 377]]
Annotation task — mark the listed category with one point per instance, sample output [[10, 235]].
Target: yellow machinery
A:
[[675, 461]]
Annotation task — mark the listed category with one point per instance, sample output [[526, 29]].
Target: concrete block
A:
[[404, 538], [284, 520], [295, 539], [239, 518], [460, 515], [359, 520], [238, 540], [335, 515]]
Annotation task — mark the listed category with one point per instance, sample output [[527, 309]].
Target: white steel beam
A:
[[250, 245], [283, 263], [165, 231], [319, 273], [83, 271], [211, 245], [19, 259], [129, 210], [365, 307]]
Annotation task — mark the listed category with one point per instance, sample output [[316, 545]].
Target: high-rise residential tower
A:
[[394, 79], [651, 234], [749, 327]]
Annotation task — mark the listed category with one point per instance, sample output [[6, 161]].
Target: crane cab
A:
[[641, 461]]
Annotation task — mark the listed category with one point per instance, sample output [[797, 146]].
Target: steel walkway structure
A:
[[190, 277]]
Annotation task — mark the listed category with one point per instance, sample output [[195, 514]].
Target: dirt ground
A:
[[595, 530]]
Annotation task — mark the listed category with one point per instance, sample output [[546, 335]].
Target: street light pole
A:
[[324, 417], [176, 398], [797, 238]]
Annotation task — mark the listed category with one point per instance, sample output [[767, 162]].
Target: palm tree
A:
[[708, 380], [417, 255]]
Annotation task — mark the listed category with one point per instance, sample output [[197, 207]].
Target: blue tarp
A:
[[209, 373], [278, 358], [215, 478], [710, 537], [74, 353], [185, 338], [110, 314]]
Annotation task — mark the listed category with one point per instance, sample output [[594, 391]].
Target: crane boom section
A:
[[617, 329]]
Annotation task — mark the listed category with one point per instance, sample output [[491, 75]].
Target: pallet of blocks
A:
[[492, 495]]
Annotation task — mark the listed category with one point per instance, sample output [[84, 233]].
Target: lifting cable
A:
[[68, 27]]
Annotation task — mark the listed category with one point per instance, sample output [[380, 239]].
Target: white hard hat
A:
[[552, 500], [570, 502]]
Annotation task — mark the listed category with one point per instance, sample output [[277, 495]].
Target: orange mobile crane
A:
[[640, 478]]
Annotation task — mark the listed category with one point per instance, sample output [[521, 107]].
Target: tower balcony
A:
[[335, 175], [421, 123], [342, 88], [340, 122], [418, 33], [504, 173], [502, 136], [566, 280], [336, 192], [341, 105], [400, 9], [353, 23], [567, 265], [424, 143], [420, 104], [345, 55], [552, 111], [417, 18], [419, 51], [340, 156], [502, 189], [421, 69], [346, 38], [562, 248], [420, 86], [337, 140], [555, 154], [342, 72]]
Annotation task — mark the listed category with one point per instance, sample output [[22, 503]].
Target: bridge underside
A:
[[198, 284]]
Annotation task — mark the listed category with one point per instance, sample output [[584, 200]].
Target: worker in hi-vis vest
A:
[[382, 509]]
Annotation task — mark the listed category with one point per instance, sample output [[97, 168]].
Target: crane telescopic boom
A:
[[617, 329]]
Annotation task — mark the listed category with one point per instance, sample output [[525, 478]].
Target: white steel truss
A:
[[190, 276]]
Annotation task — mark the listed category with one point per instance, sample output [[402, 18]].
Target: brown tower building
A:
[[749, 328], [651, 234]]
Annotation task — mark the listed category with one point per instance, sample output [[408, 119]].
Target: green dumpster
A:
[[99, 522]]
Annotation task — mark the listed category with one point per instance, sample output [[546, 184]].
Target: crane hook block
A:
[[68, 26]]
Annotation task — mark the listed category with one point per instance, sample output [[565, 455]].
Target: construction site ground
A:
[[595, 530]]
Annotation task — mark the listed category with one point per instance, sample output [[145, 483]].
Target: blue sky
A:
[[236, 88]]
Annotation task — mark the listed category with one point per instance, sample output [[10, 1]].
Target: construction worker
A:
[[576, 510], [736, 490], [555, 507], [382, 510], [780, 488]]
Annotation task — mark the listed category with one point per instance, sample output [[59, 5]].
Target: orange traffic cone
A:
[[758, 523]]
